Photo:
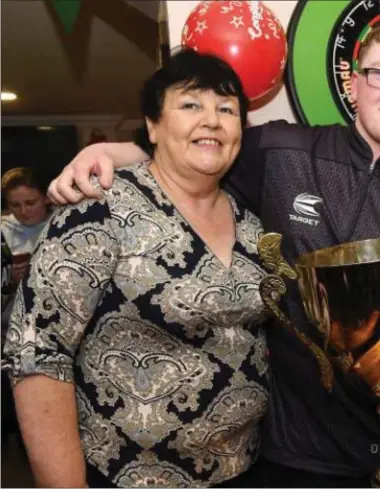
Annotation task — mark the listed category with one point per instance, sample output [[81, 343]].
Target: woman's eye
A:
[[226, 110], [190, 105]]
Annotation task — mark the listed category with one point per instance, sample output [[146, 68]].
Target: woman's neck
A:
[[199, 193]]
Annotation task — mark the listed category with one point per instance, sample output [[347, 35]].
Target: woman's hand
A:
[[20, 264], [18, 271]]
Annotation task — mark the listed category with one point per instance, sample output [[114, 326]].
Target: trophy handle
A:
[[273, 287]]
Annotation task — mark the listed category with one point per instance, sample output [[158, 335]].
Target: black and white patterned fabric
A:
[[163, 342]]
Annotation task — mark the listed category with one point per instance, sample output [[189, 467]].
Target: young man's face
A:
[[368, 99]]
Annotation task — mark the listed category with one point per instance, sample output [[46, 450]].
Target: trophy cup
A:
[[340, 291]]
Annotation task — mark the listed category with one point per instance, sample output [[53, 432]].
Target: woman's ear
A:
[[151, 130]]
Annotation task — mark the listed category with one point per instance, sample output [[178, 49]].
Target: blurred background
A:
[[76, 67], [71, 75]]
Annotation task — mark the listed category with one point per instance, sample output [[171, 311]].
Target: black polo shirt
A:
[[318, 187]]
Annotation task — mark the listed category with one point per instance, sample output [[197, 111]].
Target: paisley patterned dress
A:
[[165, 344]]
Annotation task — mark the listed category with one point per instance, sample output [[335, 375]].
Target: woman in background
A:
[[26, 200], [28, 206]]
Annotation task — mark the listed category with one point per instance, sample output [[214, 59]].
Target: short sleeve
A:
[[69, 271]]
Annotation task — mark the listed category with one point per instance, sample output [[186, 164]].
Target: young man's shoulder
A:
[[284, 135]]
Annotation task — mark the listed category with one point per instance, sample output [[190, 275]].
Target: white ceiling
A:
[[98, 69]]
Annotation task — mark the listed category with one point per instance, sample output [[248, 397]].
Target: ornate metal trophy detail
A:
[[340, 290]]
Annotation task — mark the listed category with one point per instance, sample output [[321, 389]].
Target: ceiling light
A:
[[8, 96], [45, 128]]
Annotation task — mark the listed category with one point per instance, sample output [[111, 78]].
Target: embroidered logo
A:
[[304, 205]]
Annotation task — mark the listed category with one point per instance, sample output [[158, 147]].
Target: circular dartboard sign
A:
[[324, 39]]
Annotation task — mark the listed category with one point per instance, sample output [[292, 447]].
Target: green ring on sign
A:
[[306, 75]]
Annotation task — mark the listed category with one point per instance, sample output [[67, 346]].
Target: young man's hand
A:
[[74, 183]]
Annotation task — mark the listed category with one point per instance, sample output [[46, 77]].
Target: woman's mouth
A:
[[208, 142]]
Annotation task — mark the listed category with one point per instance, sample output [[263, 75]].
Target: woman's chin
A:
[[30, 222], [211, 167]]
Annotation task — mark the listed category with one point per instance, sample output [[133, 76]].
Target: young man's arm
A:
[[100, 159], [74, 183]]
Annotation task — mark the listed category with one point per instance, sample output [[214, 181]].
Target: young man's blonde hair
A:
[[372, 38]]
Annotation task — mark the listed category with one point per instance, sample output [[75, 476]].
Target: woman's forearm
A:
[[47, 413]]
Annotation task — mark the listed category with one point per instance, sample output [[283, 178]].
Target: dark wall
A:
[[46, 151]]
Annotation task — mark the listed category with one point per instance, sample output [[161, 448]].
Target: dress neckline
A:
[[178, 214]]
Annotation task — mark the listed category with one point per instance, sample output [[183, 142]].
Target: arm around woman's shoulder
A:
[[74, 183]]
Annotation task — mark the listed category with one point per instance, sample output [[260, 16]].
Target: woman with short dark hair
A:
[[136, 347]]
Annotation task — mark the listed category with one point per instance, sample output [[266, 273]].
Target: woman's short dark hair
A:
[[190, 70], [16, 177]]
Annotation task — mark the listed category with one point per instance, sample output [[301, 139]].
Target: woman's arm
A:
[[98, 159], [70, 269], [47, 413]]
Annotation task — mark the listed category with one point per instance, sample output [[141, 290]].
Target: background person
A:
[[26, 200]]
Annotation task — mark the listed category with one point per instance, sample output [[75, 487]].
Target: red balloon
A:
[[246, 34]]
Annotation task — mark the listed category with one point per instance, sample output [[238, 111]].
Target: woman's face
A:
[[199, 131], [27, 204]]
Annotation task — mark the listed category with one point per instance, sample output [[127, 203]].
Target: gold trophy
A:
[[340, 291]]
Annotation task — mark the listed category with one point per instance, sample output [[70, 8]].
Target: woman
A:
[[143, 309], [26, 200]]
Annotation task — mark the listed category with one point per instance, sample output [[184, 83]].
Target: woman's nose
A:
[[211, 117]]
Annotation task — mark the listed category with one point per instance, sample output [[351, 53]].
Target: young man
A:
[[318, 187]]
